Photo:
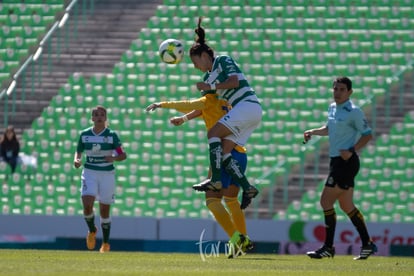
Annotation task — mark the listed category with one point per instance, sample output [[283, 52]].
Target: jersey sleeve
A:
[[361, 123], [186, 105], [228, 64], [117, 145], [117, 141], [80, 146], [330, 108]]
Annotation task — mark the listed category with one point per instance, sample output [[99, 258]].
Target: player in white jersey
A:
[[102, 147], [224, 77]]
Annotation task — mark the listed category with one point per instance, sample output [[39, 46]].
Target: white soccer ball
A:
[[171, 51]]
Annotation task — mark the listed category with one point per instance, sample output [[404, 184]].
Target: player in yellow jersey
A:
[[211, 109]]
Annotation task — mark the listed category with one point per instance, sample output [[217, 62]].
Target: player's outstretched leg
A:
[[232, 167]]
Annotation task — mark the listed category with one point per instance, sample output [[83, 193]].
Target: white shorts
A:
[[100, 184], [242, 120]]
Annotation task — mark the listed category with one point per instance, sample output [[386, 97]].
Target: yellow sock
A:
[[236, 213], [220, 213]]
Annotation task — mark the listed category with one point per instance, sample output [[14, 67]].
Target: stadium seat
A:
[[287, 65]]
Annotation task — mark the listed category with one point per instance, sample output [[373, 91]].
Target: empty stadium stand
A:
[[290, 51]]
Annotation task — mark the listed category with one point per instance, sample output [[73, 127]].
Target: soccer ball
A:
[[171, 51]]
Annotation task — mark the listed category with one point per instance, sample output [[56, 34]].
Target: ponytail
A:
[[201, 34], [200, 45]]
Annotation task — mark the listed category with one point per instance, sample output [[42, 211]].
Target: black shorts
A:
[[342, 173]]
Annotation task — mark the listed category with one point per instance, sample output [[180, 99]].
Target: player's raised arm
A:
[[177, 121], [152, 107]]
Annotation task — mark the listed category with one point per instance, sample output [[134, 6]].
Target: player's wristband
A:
[[185, 118], [213, 86]]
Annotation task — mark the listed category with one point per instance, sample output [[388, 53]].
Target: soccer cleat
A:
[[239, 244], [247, 244], [91, 239], [235, 245], [322, 252], [208, 185], [247, 196], [105, 247], [367, 251]]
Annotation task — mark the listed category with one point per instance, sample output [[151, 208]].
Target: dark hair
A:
[[98, 107], [344, 80], [9, 128], [200, 45]]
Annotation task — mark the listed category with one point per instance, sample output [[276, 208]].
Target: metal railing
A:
[[8, 94]]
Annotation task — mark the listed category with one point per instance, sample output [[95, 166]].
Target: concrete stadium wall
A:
[[194, 235], [130, 228]]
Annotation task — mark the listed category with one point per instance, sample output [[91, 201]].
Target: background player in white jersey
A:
[[224, 77], [102, 147]]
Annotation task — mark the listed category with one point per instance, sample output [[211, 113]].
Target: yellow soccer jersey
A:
[[211, 107]]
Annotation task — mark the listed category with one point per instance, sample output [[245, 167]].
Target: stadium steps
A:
[[311, 181], [35, 98], [101, 39]]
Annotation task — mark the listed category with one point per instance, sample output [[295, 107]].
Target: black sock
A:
[[358, 221], [90, 221], [215, 161], [106, 230], [330, 225]]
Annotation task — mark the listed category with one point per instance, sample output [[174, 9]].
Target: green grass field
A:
[[50, 262]]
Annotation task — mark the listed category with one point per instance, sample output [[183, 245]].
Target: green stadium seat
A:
[[280, 35], [4, 170], [5, 210]]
